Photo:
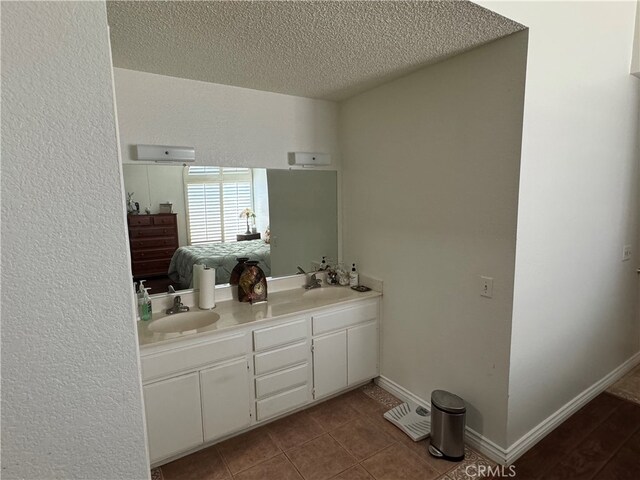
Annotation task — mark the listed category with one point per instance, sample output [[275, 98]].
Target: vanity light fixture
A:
[[309, 158], [165, 153]]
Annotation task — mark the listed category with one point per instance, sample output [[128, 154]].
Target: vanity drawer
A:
[[142, 243], [169, 219], [286, 379], [327, 322], [282, 357], [279, 334], [283, 402], [191, 357]]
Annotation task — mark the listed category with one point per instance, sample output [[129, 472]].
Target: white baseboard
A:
[[473, 438], [533, 436], [508, 456]]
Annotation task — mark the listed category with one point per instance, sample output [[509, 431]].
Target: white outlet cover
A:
[[626, 253]]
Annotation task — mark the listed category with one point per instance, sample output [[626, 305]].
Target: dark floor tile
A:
[[333, 413], [589, 456], [364, 404], [248, 449], [398, 463], [321, 458], [624, 465], [554, 447], [419, 448], [203, 465], [354, 473], [276, 468], [294, 430], [361, 438]]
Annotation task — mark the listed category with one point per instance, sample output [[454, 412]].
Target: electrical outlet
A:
[[626, 253], [486, 287]]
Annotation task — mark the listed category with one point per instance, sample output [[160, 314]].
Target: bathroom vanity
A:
[[252, 364]]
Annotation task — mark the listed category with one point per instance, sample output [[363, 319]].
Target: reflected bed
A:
[[221, 256]]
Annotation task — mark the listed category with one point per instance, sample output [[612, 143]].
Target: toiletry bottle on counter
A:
[[140, 297], [145, 314], [323, 265], [353, 276]]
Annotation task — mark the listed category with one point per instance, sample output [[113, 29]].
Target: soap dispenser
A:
[[353, 276], [140, 297], [145, 313]]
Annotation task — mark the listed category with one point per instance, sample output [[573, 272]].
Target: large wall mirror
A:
[[193, 215]]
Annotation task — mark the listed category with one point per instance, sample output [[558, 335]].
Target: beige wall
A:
[[575, 300], [430, 166]]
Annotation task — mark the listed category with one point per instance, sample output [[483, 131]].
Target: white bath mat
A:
[[415, 421]]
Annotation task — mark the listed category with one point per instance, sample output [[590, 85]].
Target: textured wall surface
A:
[[329, 50], [228, 126], [430, 172], [71, 395], [575, 300]]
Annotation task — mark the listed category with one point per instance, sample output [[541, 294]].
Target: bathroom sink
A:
[[182, 322]]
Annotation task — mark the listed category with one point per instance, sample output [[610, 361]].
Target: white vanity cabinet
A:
[[282, 365], [207, 395], [345, 347], [226, 399], [204, 388], [329, 364], [174, 419]]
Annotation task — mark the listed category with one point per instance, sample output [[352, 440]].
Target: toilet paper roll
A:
[[207, 288], [197, 271]]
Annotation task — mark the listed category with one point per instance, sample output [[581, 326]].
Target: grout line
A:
[[293, 465], [224, 461]]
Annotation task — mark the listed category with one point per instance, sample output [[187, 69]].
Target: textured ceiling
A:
[[331, 50]]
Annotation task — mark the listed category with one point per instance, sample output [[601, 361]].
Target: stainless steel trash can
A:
[[448, 413]]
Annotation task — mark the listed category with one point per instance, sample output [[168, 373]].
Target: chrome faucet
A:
[[312, 280], [178, 307]]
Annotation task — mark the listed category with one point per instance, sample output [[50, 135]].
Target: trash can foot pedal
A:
[[414, 421]]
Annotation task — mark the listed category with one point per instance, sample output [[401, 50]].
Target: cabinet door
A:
[[329, 363], [174, 420], [362, 352], [226, 399]]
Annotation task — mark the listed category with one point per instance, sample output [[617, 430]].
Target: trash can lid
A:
[[447, 401]]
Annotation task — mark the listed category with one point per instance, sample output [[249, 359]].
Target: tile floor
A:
[[343, 438], [628, 387], [601, 441], [347, 438]]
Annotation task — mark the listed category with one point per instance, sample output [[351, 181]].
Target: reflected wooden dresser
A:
[[153, 240]]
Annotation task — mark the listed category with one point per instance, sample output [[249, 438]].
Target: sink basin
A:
[[182, 322], [335, 293]]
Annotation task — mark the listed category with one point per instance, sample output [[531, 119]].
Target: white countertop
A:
[[234, 314]]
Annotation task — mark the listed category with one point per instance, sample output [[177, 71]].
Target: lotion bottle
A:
[[145, 314], [353, 276]]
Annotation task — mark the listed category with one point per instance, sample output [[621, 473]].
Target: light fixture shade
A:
[[165, 153], [309, 158]]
